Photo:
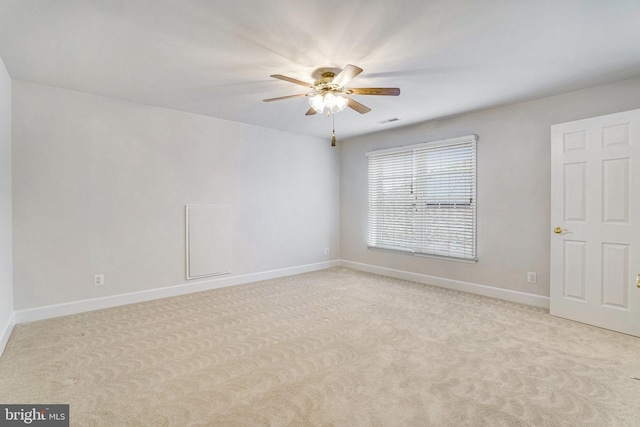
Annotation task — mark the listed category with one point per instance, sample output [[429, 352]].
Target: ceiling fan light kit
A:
[[333, 103], [329, 93]]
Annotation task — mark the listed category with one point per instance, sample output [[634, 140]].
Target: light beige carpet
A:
[[335, 347]]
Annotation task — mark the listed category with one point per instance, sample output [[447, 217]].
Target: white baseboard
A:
[[74, 307], [5, 331], [472, 288]]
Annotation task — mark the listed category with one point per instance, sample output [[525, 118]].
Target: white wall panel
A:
[[208, 241]]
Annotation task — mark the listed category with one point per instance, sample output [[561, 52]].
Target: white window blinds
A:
[[422, 198]]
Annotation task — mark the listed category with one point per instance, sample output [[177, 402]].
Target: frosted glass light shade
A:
[[333, 103], [317, 103]]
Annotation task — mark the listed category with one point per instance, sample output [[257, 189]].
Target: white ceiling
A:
[[215, 57]]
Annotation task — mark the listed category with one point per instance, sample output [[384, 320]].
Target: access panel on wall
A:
[[207, 240]]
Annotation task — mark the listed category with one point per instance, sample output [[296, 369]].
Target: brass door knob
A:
[[559, 230]]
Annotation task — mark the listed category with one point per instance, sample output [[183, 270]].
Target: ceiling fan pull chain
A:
[[333, 133]]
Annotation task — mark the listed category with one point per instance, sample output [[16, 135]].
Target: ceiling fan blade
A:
[[310, 112], [347, 73], [390, 91], [292, 80], [284, 97], [355, 105]]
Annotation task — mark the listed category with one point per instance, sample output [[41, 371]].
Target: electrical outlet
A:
[[98, 279], [326, 251], [532, 277]]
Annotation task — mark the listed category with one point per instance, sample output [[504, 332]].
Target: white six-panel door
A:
[[595, 221]]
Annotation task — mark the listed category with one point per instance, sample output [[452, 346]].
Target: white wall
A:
[[6, 261], [514, 226], [100, 187]]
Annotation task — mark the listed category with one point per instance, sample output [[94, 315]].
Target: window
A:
[[422, 198]]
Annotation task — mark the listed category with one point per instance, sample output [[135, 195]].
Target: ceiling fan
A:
[[329, 92]]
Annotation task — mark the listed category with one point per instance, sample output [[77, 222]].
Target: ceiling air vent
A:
[[382, 122]]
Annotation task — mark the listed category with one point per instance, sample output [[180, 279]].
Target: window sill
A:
[[440, 257]]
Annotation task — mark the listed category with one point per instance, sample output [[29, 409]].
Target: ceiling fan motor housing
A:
[[325, 84]]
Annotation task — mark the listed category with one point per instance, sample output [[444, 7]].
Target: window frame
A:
[[416, 224]]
